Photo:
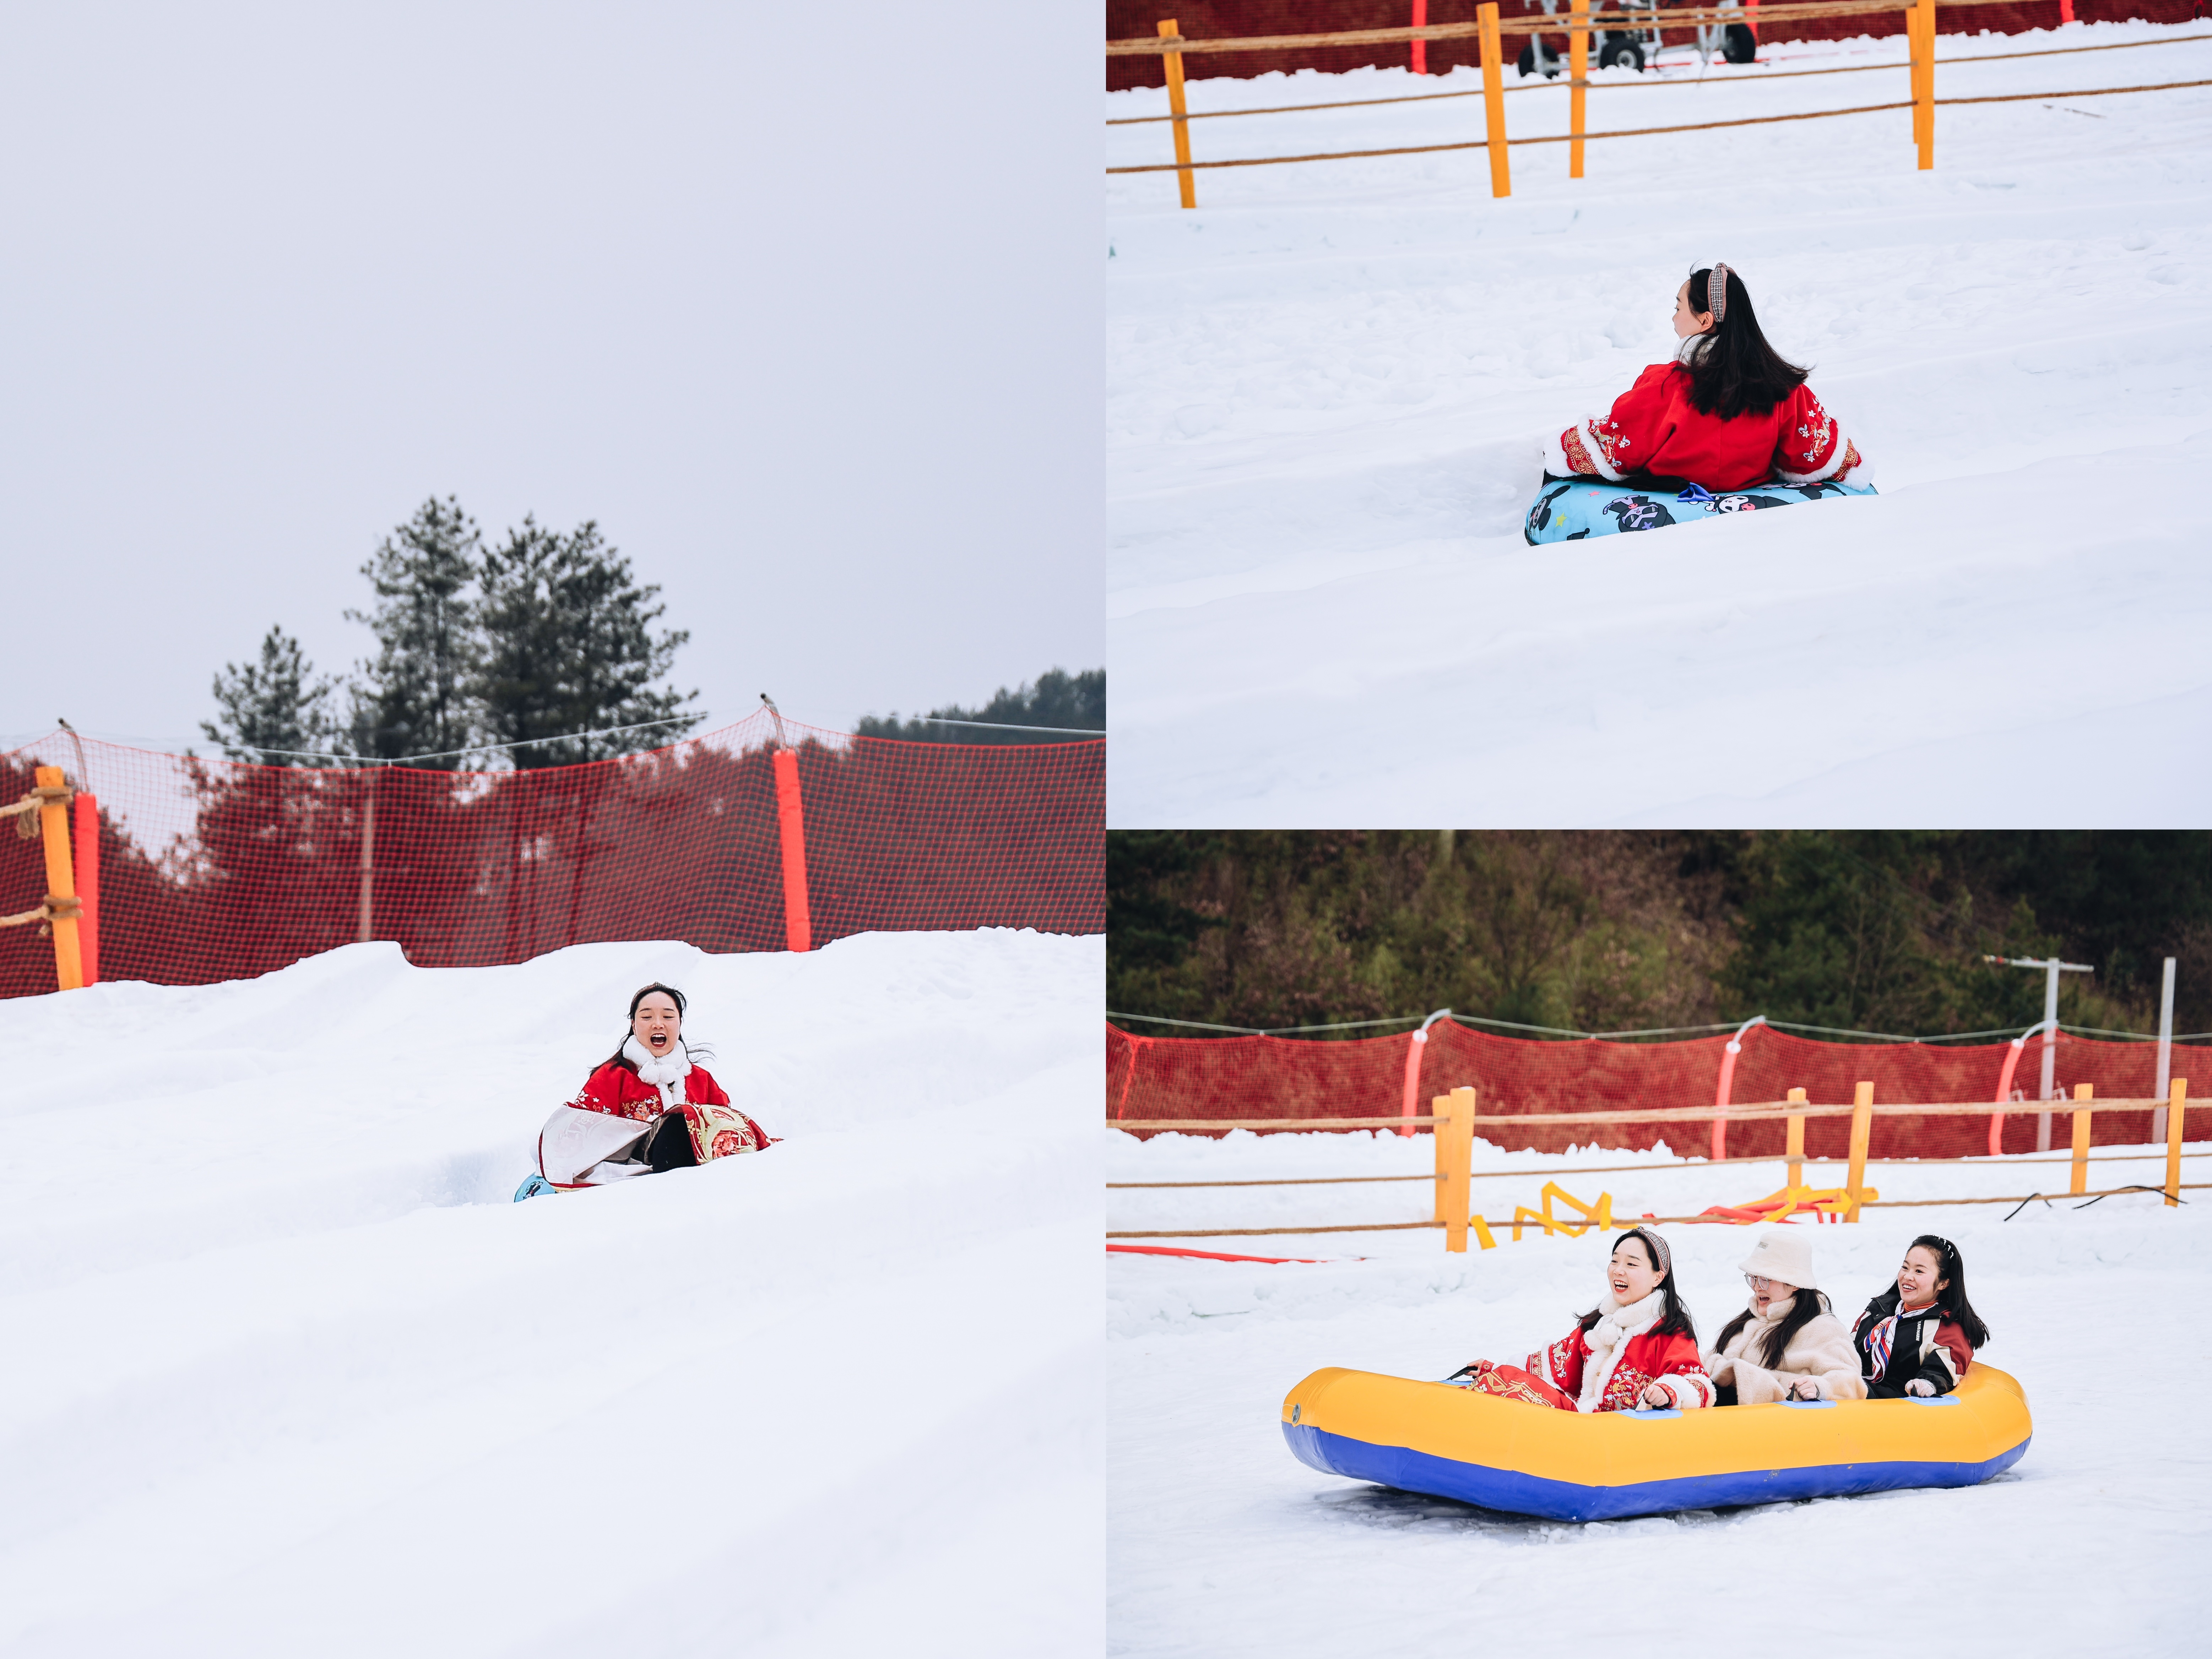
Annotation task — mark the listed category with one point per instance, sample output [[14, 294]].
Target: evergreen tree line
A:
[[540, 637], [1058, 699], [1589, 931]]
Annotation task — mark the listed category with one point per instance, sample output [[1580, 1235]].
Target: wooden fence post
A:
[[1862, 1133], [1494, 98], [1173, 60], [1458, 1108], [364, 928], [61, 882], [1440, 1108], [2176, 1101], [1577, 87], [2081, 1093], [1796, 1145]]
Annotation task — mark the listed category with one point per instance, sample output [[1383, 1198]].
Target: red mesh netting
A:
[[1260, 1077], [1217, 20], [212, 870]]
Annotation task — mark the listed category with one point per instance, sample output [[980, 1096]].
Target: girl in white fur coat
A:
[[1785, 1344]]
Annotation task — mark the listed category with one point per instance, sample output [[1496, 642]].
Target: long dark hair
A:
[[1951, 1276], [1732, 370], [618, 1058], [1674, 1317], [1809, 1306]]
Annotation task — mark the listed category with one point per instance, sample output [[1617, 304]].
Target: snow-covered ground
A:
[[1328, 385], [1221, 1543], [287, 1372]]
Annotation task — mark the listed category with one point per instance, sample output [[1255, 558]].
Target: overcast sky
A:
[[802, 305]]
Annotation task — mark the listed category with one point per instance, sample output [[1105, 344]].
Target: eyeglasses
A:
[[1769, 1285]]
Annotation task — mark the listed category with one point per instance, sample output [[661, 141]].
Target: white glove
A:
[[1920, 1386]]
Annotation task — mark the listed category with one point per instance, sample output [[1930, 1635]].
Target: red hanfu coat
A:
[[618, 1091], [1672, 1361], [1653, 428]]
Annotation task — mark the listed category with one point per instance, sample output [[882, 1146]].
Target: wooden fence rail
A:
[[1454, 1118]]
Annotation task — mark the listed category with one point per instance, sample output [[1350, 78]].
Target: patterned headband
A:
[[1716, 292], [1661, 1258]]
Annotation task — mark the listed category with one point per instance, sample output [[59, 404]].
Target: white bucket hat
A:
[[1784, 1254]]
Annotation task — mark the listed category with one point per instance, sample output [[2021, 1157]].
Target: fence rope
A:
[[1645, 132], [1673, 1220], [1643, 85], [1619, 1169]]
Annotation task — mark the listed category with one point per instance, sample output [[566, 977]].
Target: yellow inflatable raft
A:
[[1505, 1455]]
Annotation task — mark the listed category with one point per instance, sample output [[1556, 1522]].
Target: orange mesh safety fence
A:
[[214, 870], [1262, 1077]]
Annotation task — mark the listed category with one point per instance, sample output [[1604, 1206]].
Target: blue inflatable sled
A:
[[1568, 509]]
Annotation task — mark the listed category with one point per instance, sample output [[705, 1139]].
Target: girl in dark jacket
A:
[[1918, 1336]]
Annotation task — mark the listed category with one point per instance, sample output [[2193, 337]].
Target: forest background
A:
[[1865, 931]]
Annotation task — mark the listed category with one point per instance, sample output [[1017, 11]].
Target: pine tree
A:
[[415, 698], [1058, 699], [568, 649], [275, 713]]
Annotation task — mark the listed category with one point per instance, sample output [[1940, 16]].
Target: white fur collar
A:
[[1609, 1338], [665, 1072]]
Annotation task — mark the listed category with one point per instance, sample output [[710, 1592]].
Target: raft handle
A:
[[1932, 1400], [1647, 1412], [1810, 1404]]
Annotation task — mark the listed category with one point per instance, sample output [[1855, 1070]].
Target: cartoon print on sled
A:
[[1570, 509]]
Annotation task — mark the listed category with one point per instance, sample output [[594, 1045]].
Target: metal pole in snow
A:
[[2164, 1052], [2052, 967], [2050, 1052]]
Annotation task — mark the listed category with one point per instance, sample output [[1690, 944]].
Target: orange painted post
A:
[[1494, 98], [1796, 1147], [61, 881], [2082, 1091], [2176, 1101], [1862, 1133], [791, 826], [1421, 48], [88, 884], [1175, 107], [1458, 1108], [1578, 86], [1924, 90]]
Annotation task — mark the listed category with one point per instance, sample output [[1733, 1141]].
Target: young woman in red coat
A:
[[1637, 1348], [650, 1080], [1728, 413]]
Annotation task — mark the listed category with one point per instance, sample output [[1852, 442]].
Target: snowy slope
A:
[[1328, 384], [1223, 1544], [287, 1372]]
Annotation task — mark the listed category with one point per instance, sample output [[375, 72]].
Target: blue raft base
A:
[[1564, 1500], [1570, 509]]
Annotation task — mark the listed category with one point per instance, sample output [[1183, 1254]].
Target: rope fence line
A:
[[1455, 1119], [1490, 30], [1646, 132], [1659, 80], [1750, 1112], [1664, 1168], [1664, 1220]]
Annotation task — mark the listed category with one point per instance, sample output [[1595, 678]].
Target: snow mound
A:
[[289, 1372]]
